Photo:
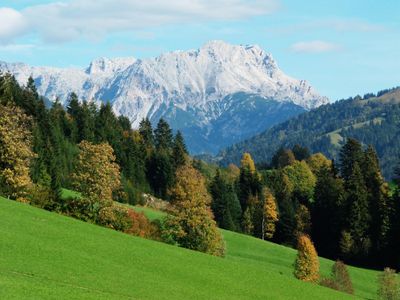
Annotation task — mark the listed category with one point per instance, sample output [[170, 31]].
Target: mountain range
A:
[[217, 95]]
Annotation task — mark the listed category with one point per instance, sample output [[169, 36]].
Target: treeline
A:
[[97, 154], [347, 208], [373, 121], [148, 157]]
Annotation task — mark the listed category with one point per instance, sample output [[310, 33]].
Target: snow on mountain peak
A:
[[195, 83]]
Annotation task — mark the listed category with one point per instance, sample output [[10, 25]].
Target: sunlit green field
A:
[[48, 256]]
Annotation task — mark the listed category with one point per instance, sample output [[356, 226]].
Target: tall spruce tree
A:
[[163, 135], [327, 212], [359, 217], [378, 193], [179, 151], [350, 154]]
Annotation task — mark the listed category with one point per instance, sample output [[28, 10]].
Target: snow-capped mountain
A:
[[197, 91]]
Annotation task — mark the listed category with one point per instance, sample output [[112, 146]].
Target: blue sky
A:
[[343, 47]]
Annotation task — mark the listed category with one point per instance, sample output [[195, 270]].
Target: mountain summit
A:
[[216, 95]]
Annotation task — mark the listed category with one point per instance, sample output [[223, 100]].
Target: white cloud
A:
[[73, 19], [12, 24], [314, 47], [335, 24]]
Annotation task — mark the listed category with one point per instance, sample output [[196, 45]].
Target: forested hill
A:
[[372, 119]]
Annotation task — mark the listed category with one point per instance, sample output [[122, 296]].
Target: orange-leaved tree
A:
[[191, 223], [307, 263]]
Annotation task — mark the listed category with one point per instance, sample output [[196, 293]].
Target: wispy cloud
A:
[[71, 20], [336, 24], [17, 47], [314, 47]]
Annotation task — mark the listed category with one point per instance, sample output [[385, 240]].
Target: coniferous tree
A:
[[378, 192], [163, 135], [359, 216], [179, 151], [225, 205], [146, 132], [350, 154], [327, 212], [249, 181]]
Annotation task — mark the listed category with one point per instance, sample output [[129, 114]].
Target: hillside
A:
[[372, 120], [216, 95], [47, 256]]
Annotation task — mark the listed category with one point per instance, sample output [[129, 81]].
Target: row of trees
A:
[[347, 208], [98, 155]]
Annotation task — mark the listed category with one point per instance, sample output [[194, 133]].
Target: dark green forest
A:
[[372, 119]]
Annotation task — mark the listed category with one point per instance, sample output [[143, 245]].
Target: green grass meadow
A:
[[48, 256]]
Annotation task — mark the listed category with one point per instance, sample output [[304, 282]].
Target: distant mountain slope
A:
[[199, 91], [373, 120]]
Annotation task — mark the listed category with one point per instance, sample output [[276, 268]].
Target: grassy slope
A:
[[45, 255], [278, 258]]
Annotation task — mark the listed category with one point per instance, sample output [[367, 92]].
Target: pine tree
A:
[[378, 192], [179, 151], [163, 135], [146, 132], [160, 172], [359, 216], [350, 154], [327, 212], [249, 181]]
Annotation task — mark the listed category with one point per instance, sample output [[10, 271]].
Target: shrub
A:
[[140, 225], [42, 196], [388, 285], [330, 283], [341, 276], [81, 208], [340, 279], [115, 217], [307, 263]]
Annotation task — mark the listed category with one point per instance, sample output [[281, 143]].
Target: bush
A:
[[140, 225], [42, 197], [115, 217], [388, 285], [340, 279], [307, 263], [330, 283], [341, 276], [81, 208]]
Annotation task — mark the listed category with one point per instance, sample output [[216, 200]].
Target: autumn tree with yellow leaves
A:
[[190, 223], [16, 152], [270, 214], [307, 263], [96, 173]]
